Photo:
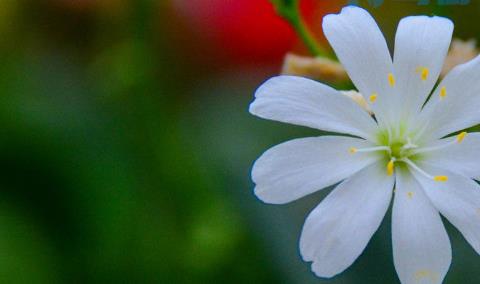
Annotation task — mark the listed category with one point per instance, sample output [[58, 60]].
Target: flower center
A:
[[401, 150], [397, 150]]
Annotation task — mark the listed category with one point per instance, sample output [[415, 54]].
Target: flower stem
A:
[[290, 11]]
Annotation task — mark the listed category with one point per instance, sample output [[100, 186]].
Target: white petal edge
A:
[[462, 158], [337, 231], [361, 48], [421, 248], [302, 166], [305, 102], [458, 109], [458, 199], [420, 42]]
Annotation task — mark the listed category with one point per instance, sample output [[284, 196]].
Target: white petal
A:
[[339, 228], [462, 158], [299, 167], [420, 42], [459, 109], [421, 247], [458, 199], [306, 102], [362, 50]]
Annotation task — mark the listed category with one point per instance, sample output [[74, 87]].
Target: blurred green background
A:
[[126, 144]]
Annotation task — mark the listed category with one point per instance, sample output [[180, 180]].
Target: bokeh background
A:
[[126, 145]]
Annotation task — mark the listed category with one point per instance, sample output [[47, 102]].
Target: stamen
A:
[[391, 167], [354, 150], [461, 136], [440, 178], [410, 194], [443, 92], [415, 167], [391, 80], [459, 139], [373, 97], [424, 71]]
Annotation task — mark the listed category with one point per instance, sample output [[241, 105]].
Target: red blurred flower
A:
[[246, 30]]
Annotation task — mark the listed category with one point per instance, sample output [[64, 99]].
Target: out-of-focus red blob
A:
[[246, 30]]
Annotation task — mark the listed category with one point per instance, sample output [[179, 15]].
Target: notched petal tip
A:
[[436, 21], [253, 108], [353, 9], [259, 193], [264, 90], [306, 245], [320, 271], [445, 20], [345, 12], [307, 251], [268, 197], [262, 192], [439, 22]]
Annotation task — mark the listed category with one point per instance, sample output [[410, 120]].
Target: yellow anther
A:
[[443, 92], [424, 71], [440, 178], [410, 194], [426, 274], [424, 74], [422, 273], [352, 150], [391, 80], [461, 136], [390, 167], [373, 97]]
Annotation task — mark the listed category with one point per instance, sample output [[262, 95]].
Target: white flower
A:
[[402, 147]]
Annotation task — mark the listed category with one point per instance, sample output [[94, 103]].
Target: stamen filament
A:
[[415, 167], [354, 150], [433, 148], [418, 169], [459, 139]]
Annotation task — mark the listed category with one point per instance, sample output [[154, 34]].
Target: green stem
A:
[[305, 34], [290, 11]]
